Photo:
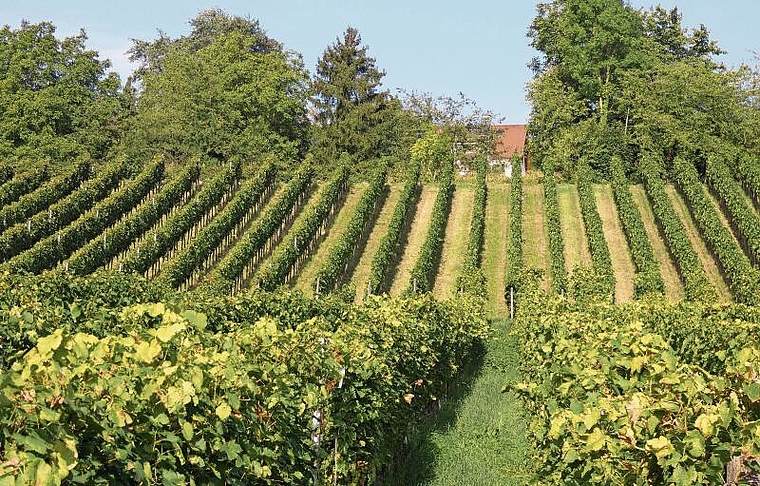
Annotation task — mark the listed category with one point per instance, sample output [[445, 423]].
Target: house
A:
[[511, 141]]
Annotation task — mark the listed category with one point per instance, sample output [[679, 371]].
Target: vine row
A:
[[744, 280], [45, 195], [22, 184], [116, 239], [233, 271], [185, 268], [338, 262], [554, 230], [56, 248], [287, 258], [472, 280], [515, 251], [648, 278], [162, 241], [425, 268], [696, 285], [390, 246], [748, 173], [22, 236]]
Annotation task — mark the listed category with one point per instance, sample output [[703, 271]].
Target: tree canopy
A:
[[57, 100]]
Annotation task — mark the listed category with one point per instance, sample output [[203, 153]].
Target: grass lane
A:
[[573, 230], [620, 254], [535, 251], [495, 246]]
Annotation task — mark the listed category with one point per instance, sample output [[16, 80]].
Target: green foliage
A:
[[390, 247], [287, 255], [433, 152], [247, 199], [352, 115], [648, 279], [515, 248], [56, 100], [597, 244], [695, 283], [225, 91], [613, 403], [23, 184], [472, 280], [172, 395], [336, 267], [744, 220], [748, 173], [56, 248], [554, 230], [118, 238], [158, 241], [425, 268], [232, 271], [743, 279], [30, 203], [23, 236]]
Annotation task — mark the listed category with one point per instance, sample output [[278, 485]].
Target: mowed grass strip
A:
[[535, 251], [478, 437], [620, 254], [360, 277], [573, 230], [307, 275], [708, 262], [417, 233], [455, 242], [673, 286], [495, 247]]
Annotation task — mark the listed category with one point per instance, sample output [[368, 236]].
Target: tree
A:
[[351, 113], [226, 91], [57, 101]]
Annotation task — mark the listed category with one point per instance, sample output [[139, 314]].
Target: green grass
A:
[[620, 254], [573, 231], [495, 247], [455, 242], [535, 249], [478, 438]]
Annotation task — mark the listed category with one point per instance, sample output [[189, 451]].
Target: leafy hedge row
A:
[[117, 239], [612, 403], [56, 248], [695, 283], [247, 200], [336, 266], [390, 246], [23, 236], [285, 258], [32, 203], [161, 240], [231, 273], [597, 244], [168, 400], [554, 230], [425, 268], [742, 216], [24, 183], [6, 173], [744, 280], [648, 279], [515, 249], [472, 280], [748, 173]]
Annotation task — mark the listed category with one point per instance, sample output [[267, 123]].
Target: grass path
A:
[[573, 230], [723, 218], [455, 241], [673, 286], [711, 268], [478, 438], [495, 247], [622, 263], [535, 253], [307, 275], [417, 234], [360, 277]]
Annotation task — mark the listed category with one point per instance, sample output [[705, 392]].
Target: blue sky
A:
[[477, 47]]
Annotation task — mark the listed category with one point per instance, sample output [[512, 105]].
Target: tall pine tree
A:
[[351, 113]]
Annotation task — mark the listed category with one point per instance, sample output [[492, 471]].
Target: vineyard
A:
[[132, 299]]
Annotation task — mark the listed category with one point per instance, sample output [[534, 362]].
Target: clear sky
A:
[[477, 47]]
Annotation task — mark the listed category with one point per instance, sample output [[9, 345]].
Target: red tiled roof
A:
[[510, 139]]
